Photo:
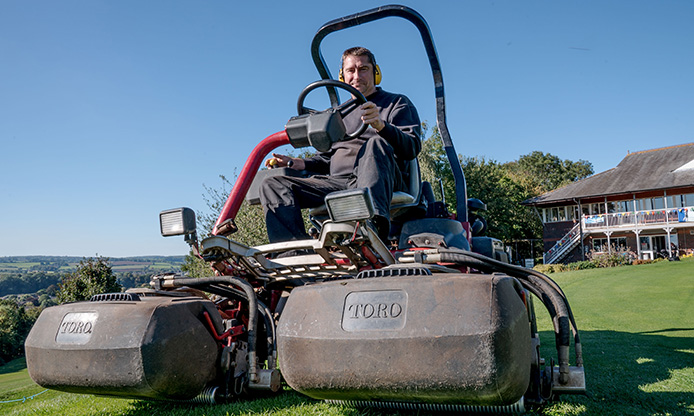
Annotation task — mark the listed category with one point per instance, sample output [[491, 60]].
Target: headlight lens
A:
[[179, 221], [350, 205]]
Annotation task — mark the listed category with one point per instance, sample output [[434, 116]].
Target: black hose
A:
[[252, 310], [271, 335], [521, 272], [271, 331], [541, 286]]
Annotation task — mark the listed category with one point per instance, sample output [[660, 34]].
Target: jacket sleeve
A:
[[403, 128]]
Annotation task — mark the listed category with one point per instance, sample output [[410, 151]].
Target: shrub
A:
[[550, 268], [617, 256], [544, 268], [582, 265]]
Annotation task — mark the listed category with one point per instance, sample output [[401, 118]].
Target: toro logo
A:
[[374, 310], [76, 328]]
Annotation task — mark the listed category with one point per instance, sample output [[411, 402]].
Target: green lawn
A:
[[637, 330]]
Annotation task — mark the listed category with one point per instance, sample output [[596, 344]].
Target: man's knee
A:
[[274, 190], [378, 147]]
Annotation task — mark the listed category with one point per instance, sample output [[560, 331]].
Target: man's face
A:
[[358, 72]]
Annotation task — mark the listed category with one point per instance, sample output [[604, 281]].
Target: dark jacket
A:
[[402, 131]]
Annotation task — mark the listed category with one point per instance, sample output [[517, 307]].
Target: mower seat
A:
[[400, 202]]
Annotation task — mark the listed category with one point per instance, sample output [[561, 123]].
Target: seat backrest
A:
[[403, 201], [415, 185]]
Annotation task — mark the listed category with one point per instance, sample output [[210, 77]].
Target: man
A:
[[376, 160]]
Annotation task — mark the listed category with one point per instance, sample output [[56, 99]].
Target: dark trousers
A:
[[283, 197]]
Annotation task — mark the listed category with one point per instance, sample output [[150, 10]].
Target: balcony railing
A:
[[658, 217], [639, 218]]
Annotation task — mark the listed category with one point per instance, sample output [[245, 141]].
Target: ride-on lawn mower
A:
[[435, 317]]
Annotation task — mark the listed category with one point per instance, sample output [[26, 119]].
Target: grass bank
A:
[[637, 330]]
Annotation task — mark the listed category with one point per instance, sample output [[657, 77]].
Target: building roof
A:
[[648, 170]]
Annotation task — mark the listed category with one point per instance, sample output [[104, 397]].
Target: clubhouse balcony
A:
[[667, 221]]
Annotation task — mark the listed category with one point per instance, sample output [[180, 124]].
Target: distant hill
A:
[[30, 274], [29, 284], [61, 264]]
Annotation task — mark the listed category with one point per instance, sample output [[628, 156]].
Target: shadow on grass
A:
[[282, 403], [13, 366], [626, 373], [635, 373], [660, 331]]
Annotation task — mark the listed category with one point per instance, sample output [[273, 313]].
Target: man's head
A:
[[359, 69]]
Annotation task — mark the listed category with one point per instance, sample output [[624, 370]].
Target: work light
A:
[[178, 221], [350, 205]]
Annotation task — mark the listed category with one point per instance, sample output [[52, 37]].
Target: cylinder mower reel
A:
[[405, 335], [150, 344]]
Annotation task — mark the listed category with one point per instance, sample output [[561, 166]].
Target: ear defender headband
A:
[[377, 75]]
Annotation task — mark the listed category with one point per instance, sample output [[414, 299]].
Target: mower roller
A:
[[435, 318]]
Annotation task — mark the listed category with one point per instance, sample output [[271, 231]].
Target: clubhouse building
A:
[[644, 205]]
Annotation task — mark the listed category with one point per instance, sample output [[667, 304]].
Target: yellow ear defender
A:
[[377, 75]]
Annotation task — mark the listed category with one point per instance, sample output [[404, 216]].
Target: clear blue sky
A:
[[111, 111]]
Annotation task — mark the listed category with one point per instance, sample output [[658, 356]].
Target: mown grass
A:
[[637, 331]]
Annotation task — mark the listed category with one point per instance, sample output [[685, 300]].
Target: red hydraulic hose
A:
[[250, 169]]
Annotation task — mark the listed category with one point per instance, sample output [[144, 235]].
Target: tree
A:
[[540, 172], [502, 186], [249, 220], [435, 169], [26, 283], [490, 182], [93, 276], [194, 266], [129, 279], [486, 180], [14, 328]]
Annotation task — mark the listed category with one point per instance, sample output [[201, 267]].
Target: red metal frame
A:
[[250, 169]]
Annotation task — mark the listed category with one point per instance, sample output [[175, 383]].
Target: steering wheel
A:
[[344, 109]]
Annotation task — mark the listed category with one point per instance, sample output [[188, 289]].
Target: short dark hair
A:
[[358, 51]]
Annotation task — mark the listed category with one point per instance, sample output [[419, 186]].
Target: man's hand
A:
[[280, 161], [371, 116]]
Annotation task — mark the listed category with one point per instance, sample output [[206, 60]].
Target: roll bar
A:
[[421, 25]]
